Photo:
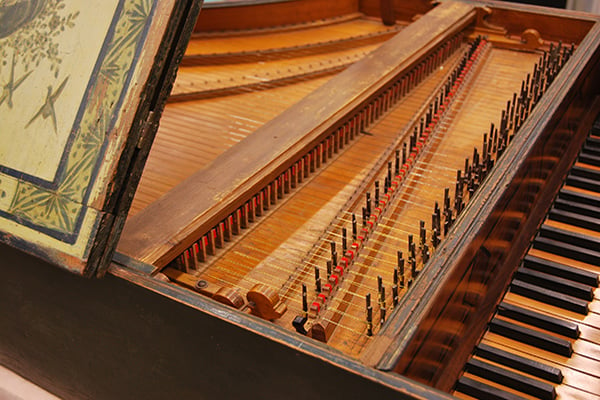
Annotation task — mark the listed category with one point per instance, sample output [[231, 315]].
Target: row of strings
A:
[[531, 90], [234, 224], [417, 250], [376, 224]]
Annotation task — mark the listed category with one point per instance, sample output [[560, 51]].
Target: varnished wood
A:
[[141, 240], [271, 14], [125, 319], [480, 252], [401, 10], [243, 265], [213, 110], [580, 368], [214, 269], [264, 302]]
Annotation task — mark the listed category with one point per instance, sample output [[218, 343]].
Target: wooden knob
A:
[[229, 296], [264, 302], [531, 38]]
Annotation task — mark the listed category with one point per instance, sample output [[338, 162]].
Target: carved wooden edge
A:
[[482, 21], [281, 53], [514, 19], [276, 29], [523, 27], [164, 229], [406, 388], [263, 301], [161, 79], [390, 351], [270, 14], [189, 92]]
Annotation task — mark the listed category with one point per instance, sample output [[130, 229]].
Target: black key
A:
[[548, 296], [584, 183], [591, 149], [561, 285], [531, 337], [592, 143], [596, 127], [576, 219], [588, 158], [481, 390], [560, 246], [511, 379], [552, 324], [519, 363], [578, 207], [574, 238], [567, 250], [564, 271], [581, 198], [583, 172]]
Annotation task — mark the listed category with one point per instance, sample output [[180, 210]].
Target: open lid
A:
[[82, 87]]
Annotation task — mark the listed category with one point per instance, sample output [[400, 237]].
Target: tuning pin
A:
[[369, 315], [401, 269], [304, 300], [317, 280], [438, 215], [458, 188], [428, 116], [435, 238], [467, 170], [422, 234], [412, 259], [333, 253], [382, 305], [300, 320], [411, 250]]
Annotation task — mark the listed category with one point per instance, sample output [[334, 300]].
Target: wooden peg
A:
[[230, 297], [531, 39], [264, 302]]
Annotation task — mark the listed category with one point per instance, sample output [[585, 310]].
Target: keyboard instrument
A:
[[543, 338], [328, 199]]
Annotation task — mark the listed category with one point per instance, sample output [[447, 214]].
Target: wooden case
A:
[[131, 335]]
